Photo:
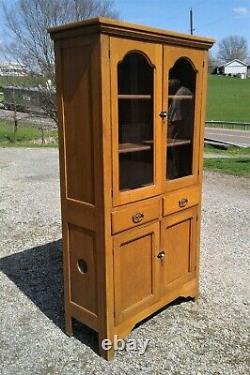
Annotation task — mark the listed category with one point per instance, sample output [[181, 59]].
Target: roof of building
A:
[[230, 62]]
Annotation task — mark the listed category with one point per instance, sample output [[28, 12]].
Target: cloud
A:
[[241, 11]]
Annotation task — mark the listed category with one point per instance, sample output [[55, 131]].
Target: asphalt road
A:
[[32, 119], [233, 136]]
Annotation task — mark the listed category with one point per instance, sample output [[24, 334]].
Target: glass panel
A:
[[181, 95], [135, 114]]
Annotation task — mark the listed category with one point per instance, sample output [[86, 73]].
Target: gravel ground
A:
[[209, 336]]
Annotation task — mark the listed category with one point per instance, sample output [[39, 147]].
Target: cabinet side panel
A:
[[78, 123], [83, 267], [80, 169]]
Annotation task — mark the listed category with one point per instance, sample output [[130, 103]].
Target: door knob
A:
[[163, 114], [161, 254]]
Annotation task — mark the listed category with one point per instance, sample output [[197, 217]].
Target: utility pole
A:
[[191, 22]]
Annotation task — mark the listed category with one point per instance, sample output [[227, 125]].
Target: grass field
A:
[[19, 81], [236, 166], [228, 99], [231, 151], [27, 135], [235, 160]]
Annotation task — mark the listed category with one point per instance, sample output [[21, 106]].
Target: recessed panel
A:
[[82, 267], [78, 123]]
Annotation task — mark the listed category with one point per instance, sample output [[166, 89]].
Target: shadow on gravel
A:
[[38, 273]]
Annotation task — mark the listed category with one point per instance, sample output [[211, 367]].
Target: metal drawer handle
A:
[[183, 202], [138, 217], [161, 254]]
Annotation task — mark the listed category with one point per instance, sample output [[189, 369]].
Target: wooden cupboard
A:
[[131, 107]]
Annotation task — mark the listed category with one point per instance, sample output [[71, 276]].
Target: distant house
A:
[[12, 69], [233, 68]]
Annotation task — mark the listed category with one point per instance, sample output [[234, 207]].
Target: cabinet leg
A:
[[195, 298], [68, 325], [196, 295], [106, 347]]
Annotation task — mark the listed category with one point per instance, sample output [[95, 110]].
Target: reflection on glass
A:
[[135, 113], [181, 94]]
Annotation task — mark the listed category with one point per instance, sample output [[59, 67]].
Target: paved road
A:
[[234, 136], [35, 120]]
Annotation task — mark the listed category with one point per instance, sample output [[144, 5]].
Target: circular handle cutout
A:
[[82, 266]]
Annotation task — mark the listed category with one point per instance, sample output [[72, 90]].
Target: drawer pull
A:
[[138, 217], [183, 202]]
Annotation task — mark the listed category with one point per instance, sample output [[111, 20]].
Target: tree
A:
[[212, 62], [232, 47], [27, 22]]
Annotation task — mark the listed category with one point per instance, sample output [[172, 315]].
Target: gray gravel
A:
[[206, 337]]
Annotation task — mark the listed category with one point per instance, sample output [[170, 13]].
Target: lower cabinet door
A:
[[178, 248], [136, 270]]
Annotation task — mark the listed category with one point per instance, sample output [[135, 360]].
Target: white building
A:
[[12, 69], [233, 68]]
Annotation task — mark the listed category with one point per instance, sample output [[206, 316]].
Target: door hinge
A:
[[203, 63], [197, 218], [109, 53]]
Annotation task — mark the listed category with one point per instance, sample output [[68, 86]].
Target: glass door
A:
[[135, 98], [182, 101]]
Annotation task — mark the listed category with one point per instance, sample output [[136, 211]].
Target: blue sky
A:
[[215, 18]]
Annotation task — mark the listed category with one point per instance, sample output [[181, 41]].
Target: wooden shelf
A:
[[178, 142], [171, 142], [132, 96], [132, 147], [180, 97]]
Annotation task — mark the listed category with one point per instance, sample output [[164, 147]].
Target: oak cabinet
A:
[[131, 111]]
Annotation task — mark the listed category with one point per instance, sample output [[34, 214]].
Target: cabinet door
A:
[[178, 247], [135, 270], [182, 102], [136, 99]]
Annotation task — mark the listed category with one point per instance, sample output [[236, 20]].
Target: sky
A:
[[214, 18]]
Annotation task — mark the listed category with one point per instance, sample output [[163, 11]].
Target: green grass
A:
[[231, 151], [26, 135], [235, 166], [228, 99], [20, 81]]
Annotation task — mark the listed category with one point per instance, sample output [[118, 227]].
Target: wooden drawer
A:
[[136, 214], [181, 199]]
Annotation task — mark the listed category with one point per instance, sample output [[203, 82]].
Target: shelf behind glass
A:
[[132, 147], [134, 96], [172, 142]]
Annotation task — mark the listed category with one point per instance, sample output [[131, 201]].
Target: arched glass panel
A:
[[181, 99], [135, 121]]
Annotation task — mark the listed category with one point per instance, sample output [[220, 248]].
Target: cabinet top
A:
[[124, 29]]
